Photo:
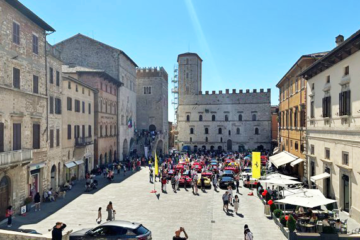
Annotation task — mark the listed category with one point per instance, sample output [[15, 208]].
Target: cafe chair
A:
[[344, 227]]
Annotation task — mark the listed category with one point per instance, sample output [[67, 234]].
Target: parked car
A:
[[114, 230], [185, 179], [207, 182], [226, 181], [228, 173], [197, 167]]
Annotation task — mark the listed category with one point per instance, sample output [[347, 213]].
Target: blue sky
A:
[[244, 44]]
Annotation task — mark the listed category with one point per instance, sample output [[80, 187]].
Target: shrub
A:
[[283, 221], [291, 223], [278, 213], [28, 200], [272, 207]]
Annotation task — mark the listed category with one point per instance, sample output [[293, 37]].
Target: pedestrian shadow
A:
[[158, 196], [240, 215]]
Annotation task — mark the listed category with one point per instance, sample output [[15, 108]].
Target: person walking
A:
[[177, 179], [236, 203], [202, 181], [225, 198], [109, 210], [98, 220], [37, 201], [124, 169], [237, 179], [247, 233], [151, 172], [230, 193], [9, 213], [178, 232], [214, 181], [195, 179], [163, 182], [57, 231], [173, 183]]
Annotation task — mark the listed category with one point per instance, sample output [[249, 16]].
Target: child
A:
[[98, 220]]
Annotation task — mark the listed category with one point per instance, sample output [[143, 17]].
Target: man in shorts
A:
[[225, 198]]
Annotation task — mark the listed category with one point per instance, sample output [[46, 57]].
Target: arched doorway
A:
[[4, 195], [212, 148], [195, 148], [219, 148], [203, 147], [125, 148], [159, 147], [86, 165], [105, 159], [241, 148], [110, 156], [53, 181], [115, 156], [152, 127], [101, 159], [229, 145]]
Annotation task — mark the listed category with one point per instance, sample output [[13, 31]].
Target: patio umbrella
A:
[[309, 198], [278, 175], [280, 181]]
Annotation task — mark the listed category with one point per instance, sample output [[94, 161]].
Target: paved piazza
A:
[[201, 216]]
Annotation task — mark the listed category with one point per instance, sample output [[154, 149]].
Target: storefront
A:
[[71, 170], [36, 171], [80, 169]]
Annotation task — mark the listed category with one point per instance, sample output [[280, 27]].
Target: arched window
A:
[[220, 131], [254, 117], [256, 131], [226, 118], [106, 132], [206, 130], [191, 130], [229, 132], [238, 131], [200, 118], [187, 118], [221, 139], [240, 117], [110, 130], [206, 139], [213, 118]]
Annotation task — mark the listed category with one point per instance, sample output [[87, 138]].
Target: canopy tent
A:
[[320, 177], [282, 158], [278, 175], [297, 161], [70, 164], [309, 198], [280, 182]]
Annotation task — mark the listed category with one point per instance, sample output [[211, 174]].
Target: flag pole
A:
[[156, 172]]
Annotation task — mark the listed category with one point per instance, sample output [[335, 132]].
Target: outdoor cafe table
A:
[[310, 227]]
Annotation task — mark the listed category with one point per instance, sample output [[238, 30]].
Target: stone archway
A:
[[53, 180], [229, 145], [5, 188], [152, 127], [125, 148]]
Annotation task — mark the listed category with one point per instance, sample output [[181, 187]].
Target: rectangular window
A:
[[2, 137], [83, 90], [16, 78], [83, 131], [16, 136], [312, 109], [57, 78], [51, 105], [16, 33], [57, 105], [344, 103], [89, 108], [83, 107], [345, 158], [77, 106], [69, 132], [51, 74], [51, 138], [326, 107], [69, 104], [147, 90], [35, 44], [327, 153], [346, 70], [36, 136], [89, 131], [69, 85], [35, 84], [312, 149], [57, 137], [76, 88]]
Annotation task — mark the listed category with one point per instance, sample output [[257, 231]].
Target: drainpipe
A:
[[301, 135], [118, 109]]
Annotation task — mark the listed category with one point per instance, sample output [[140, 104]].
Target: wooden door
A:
[[4, 196]]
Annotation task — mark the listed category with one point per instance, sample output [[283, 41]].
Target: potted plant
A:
[[291, 223], [283, 220], [27, 203], [278, 213]]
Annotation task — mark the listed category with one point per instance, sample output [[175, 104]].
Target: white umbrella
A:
[[280, 181], [278, 175], [309, 198]]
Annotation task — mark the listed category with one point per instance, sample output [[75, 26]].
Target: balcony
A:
[[175, 90], [12, 158], [83, 141]]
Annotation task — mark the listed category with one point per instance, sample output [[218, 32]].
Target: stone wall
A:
[[11, 235]]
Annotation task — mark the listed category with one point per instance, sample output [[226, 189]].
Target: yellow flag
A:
[[256, 165], [156, 166]]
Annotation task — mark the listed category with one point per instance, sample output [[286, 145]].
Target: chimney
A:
[[339, 40]]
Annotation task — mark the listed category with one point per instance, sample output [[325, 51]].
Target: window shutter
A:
[[51, 105], [348, 103], [69, 132], [36, 136], [324, 107], [16, 136], [57, 137], [16, 78], [340, 104], [1, 137]]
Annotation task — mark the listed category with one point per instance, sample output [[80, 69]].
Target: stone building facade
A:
[[333, 146], [23, 104], [230, 121], [292, 112], [106, 118], [152, 104], [87, 52], [77, 127]]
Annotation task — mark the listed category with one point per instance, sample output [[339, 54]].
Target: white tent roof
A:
[[297, 161], [280, 181], [278, 175], [282, 158], [320, 177], [306, 198]]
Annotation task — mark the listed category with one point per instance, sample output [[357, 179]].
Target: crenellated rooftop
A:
[[235, 91], [151, 72]]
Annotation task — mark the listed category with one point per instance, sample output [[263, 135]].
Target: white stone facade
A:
[[230, 121]]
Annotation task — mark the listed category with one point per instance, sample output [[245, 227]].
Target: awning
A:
[[280, 182], [278, 175], [35, 166], [282, 158], [70, 164], [79, 162], [306, 198], [297, 161], [320, 177]]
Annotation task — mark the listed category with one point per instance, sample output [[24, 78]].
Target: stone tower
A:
[[190, 67]]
